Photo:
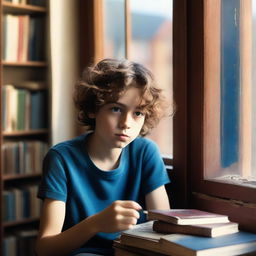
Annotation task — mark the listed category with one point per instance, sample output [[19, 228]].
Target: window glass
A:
[[151, 45], [229, 107], [114, 28]]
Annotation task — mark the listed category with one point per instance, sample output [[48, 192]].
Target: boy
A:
[[94, 185]]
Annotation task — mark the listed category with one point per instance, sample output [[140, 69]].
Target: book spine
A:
[[18, 201], [167, 228], [38, 109], [23, 157]]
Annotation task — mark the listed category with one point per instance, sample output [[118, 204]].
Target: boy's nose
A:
[[125, 121]]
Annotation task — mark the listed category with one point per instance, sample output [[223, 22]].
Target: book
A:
[[24, 49], [37, 2], [186, 245], [21, 111], [11, 40], [186, 216], [38, 119], [26, 239], [143, 236], [210, 230], [20, 37], [125, 250], [10, 245], [36, 39]]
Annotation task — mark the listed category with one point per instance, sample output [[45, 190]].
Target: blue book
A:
[[8, 205], [38, 109], [37, 2], [233, 244], [36, 39], [26, 203]]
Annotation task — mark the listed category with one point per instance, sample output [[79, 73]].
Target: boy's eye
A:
[[115, 109], [138, 113]]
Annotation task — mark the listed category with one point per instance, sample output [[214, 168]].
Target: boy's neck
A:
[[104, 158]]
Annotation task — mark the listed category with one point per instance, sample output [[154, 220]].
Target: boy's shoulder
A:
[[72, 143], [142, 142]]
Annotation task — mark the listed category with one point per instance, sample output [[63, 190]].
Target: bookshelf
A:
[[25, 133]]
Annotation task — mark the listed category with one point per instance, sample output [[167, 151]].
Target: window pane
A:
[[114, 28], [151, 25], [229, 127]]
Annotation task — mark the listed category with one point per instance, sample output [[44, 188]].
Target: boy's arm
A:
[[120, 215], [50, 239], [158, 199]]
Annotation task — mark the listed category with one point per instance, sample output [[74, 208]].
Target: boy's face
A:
[[119, 123]]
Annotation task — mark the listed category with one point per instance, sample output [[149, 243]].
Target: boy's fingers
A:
[[131, 204], [131, 213], [129, 220]]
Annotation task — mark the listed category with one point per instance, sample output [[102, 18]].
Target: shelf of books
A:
[[24, 120]]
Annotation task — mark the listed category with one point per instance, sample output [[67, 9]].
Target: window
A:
[[220, 116], [151, 45], [229, 106], [142, 31], [114, 28]]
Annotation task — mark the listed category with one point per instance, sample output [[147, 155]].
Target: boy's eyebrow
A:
[[125, 106], [117, 103]]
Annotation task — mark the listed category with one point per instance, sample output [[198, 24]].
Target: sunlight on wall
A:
[[64, 56]]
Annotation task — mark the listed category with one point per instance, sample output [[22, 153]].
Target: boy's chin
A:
[[121, 145]]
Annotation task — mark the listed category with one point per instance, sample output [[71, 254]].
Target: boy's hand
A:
[[120, 215]]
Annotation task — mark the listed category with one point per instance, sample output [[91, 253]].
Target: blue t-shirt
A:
[[69, 175]]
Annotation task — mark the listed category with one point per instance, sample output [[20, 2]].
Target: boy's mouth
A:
[[122, 136]]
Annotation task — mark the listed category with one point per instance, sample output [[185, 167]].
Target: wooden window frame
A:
[[238, 202]]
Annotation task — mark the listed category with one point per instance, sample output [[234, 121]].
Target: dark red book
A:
[[210, 230]]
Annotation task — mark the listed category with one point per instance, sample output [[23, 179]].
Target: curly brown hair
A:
[[108, 80]]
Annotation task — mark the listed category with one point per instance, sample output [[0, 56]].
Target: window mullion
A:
[[127, 28]]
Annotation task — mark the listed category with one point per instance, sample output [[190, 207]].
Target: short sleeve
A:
[[154, 171], [54, 182]]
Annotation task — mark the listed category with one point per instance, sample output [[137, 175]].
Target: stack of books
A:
[[182, 232], [191, 221]]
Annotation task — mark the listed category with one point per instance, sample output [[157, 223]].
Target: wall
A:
[[64, 66]]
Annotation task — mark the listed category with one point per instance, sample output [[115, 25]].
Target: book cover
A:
[[12, 101], [125, 250], [20, 37], [36, 39], [24, 55], [186, 245], [38, 109], [8, 205], [10, 111], [187, 216], [21, 101], [37, 2], [10, 245], [26, 239], [12, 33], [4, 35], [210, 230], [142, 236]]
